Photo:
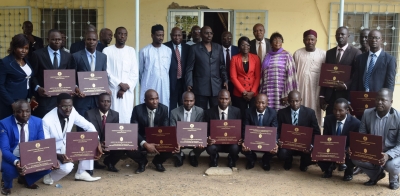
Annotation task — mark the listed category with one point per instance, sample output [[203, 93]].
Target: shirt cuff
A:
[[15, 162], [37, 86], [322, 96], [141, 143], [345, 85]]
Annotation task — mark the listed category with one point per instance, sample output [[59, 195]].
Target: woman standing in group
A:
[[15, 72], [245, 76], [278, 74]]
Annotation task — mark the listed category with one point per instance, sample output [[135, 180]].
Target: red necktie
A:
[[104, 122], [22, 133], [178, 57], [227, 59]]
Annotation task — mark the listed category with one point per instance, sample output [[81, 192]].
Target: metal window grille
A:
[[244, 20], [184, 19]]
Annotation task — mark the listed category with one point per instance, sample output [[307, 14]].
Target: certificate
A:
[[332, 73], [366, 147], [93, 83], [259, 138], [120, 136], [164, 136], [296, 137], [191, 134], [361, 101], [82, 145], [329, 148], [38, 155], [59, 81], [226, 131]]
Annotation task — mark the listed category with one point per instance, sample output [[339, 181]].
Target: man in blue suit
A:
[[229, 51], [80, 45], [10, 129]]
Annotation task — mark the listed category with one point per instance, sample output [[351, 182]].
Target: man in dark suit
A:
[[343, 54], [222, 111], [260, 115], [87, 60], [205, 71], [35, 43], [99, 117], [50, 57], [259, 46], [177, 68], [229, 51], [296, 114], [340, 123], [151, 113], [375, 69], [80, 45]]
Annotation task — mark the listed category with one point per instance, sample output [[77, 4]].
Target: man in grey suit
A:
[[383, 120], [259, 46], [187, 112], [205, 71]]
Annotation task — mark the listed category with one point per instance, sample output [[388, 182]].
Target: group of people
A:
[[258, 82]]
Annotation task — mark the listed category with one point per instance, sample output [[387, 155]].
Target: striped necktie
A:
[[369, 72], [295, 118]]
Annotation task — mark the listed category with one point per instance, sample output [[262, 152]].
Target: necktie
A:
[[55, 61], [151, 119], [339, 128], [187, 117], [22, 133], [295, 118], [92, 66], [260, 118], [227, 59], [260, 52], [65, 125], [103, 122], [178, 57], [369, 72], [339, 55], [222, 115]]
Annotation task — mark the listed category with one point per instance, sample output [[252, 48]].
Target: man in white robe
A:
[[154, 63], [308, 65], [123, 74]]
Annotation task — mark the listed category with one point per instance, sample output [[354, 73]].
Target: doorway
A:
[[219, 22]]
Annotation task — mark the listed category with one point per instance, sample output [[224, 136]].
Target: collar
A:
[[343, 121], [148, 110], [52, 51], [297, 111], [227, 48], [88, 53], [377, 53], [262, 42], [344, 47], [179, 46], [101, 114], [220, 110], [190, 111], [258, 113], [16, 121], [387, 115]]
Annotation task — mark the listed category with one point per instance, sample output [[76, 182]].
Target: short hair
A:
[[344, 101], [18, 41], [104, 94], [243, 38], [18, 103], [53, 31], [275, 35], [194, 27], [63, 96], [390, 92], [119, 28], [27, 22], [187, 92]]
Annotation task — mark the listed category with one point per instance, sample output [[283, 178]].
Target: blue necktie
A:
[[369, 72], [339, 128], [295, 118], [260, 119]]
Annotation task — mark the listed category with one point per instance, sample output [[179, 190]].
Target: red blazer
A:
[[243, 81]]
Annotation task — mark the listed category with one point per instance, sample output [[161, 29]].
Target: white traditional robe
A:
[[308, 66], [154, 66], [122, 67]]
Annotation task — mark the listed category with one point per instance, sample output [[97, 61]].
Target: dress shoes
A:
[[21, 180], [357, 170], [85, 177], [141, 167], [180, 157], [303, 168], [97, 165], [90, 172], [347, 177], [214, 160], [231, 162], [373, 182], [342, 167], [2, 183], [48, 180], [327, 174], [287, 165], [250, 164], [193, 161], [266, 166], [5, 191], [110, 166], [159, 167], [394, 185]]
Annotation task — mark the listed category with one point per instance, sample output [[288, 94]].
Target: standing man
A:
[[105, 36], [383, 120], [154, 65], [206, 72], [196, 36], [187, 112], [259, 46], [343, 54], [375, 69], [64, 42], [123, 74], [229, 51], [35, 43], [180, 52], [364, 41], [48, 58], [80, 45], [308, 62], [296, 114]]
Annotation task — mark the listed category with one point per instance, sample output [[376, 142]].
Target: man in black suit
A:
[[177, 68], [296, 114], [80, 45], [259, 46], [35, 43], [343, 54], [229, 51], [260, 115], [50, 57], [222, 111], [151, 113], [206, 72], [105, 36], [375, 69], [340, 123], [99, 117]]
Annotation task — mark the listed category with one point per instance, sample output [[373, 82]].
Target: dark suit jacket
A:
[[94, 117], [251, 118], [80, 45], [205, 73], [348, 58], [383, 74], [140, 116], [254, 48], [173, 69], [33, 47], [306, 118], [351, 124], [213, 114], [81, 64], [234, 51]]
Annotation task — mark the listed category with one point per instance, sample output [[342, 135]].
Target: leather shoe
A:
[[2, 183], [231, 162], [287, 165], [327, 174], [214, 160], [141, 168], [250, 164], [357, 170], [342, 167], [303, 168], [159, 167], [347, 177], [373, 182], [47, 179], [193, 161], [179, 159], [85, 177], [97, 165], [90, 172], [110, 166], [266, 166], [21, 180], [6, 191], [394, 185]]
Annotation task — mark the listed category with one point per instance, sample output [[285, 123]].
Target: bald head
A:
[[224, 98], [261, 102], [22, 111], [294, 99], [105, 36], [188, 100], [176, 35], [151, 99]]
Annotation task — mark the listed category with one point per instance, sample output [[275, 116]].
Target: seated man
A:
[[222, 111], [17, 128], [296, 114], [260, 115], [151, 113], [383, 120], [187, 112], [56, 124], [99, 117], [340, 123]]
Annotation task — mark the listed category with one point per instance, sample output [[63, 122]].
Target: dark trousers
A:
[[114, 156], [140, 156], [325, 165], [251, 156], [204, 101], [82, 105], [232, 149], [175, 99], [46, 104], [242, 104], [287, 156]]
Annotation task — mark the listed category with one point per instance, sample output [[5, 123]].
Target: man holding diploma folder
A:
[[383, 120]]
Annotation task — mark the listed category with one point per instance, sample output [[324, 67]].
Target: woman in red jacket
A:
[[245, 75]]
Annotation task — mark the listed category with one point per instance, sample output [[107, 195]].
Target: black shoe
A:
[[214, 160], [394, 185], [110, 166], [179, 159], [97, 165], [327, 174], [90, 172], [5, 191], [159, 167], [347, 177], [2, 183], [357, 170], [193, 161], [342, 167], [266, 166], [231, 162], [287, 165], [250, 164], [373, 182], [303, 168], [141, 168]]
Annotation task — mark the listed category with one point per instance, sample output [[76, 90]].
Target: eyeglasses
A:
[[374, 38], [64, 107], [197, 31]]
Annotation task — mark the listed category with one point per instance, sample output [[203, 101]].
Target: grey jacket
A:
[[177, 114]]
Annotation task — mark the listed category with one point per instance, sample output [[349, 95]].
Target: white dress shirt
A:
[[230, 52], [343, 49], [263, 48], [225, 111], [26, 130], [187, 115]]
